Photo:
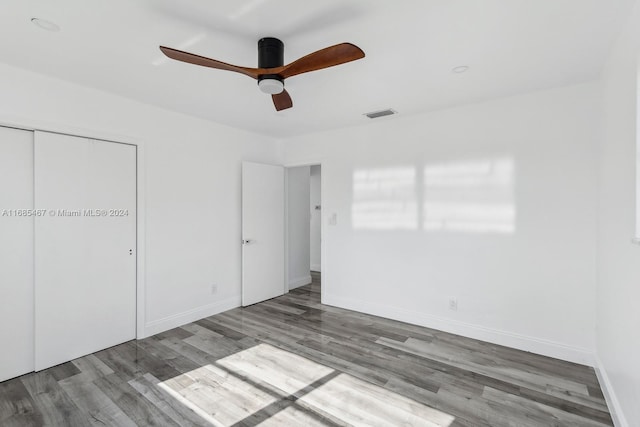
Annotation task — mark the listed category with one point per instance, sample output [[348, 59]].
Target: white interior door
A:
[[16, 252], [262, 232], [85, 262]]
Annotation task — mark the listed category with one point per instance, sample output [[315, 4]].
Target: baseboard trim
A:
[[315, 267], [176, 320], [300, 281], [619, 420], [508, 339]]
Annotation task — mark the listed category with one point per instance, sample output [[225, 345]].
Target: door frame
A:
[[66, 129], [323, 228]]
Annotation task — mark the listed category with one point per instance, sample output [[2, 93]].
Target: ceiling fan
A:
[[271, 72]]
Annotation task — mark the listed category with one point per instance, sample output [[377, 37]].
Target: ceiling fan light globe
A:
[[271, 86]]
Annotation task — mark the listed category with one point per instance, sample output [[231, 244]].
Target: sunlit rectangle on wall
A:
[[385, 199], [471, 196]]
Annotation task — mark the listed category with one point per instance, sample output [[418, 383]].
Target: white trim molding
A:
[[509, 339], [619, 420], [300, 281], [176, 320], [316, 268]]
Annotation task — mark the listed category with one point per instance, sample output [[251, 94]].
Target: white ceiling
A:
[[512, 46]]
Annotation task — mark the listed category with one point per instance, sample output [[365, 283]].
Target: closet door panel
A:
[[16, 252], [85, 253]]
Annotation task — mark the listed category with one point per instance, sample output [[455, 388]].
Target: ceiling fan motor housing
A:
[[270, 55]]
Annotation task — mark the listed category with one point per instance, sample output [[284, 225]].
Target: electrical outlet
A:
[[453, 303], [214, 289]]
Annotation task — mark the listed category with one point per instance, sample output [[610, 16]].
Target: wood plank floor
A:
[[294, 362]]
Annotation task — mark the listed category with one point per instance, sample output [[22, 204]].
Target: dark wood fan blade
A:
[[282, 100], [191, 58], [324, 58]]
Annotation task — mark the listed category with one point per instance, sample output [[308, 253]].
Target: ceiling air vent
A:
[[376, 114]]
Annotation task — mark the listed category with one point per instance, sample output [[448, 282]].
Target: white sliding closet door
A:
[[85, 257], [16, 252]]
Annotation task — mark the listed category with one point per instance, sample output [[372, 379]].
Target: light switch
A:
[[333, 219]]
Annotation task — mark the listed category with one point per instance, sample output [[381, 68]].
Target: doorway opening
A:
[[304, 230]]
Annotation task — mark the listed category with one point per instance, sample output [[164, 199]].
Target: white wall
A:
[[191, 187], [298, 226], [491, 203], [618, 317], [316, 217]]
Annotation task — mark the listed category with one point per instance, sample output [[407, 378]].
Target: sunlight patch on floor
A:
[[277, 387], [358, 402], [282, 369]]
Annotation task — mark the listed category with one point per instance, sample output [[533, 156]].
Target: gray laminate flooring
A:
[[292, 361]]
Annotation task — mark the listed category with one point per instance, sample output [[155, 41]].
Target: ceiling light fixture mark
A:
[[46, 25], [461, 69]]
